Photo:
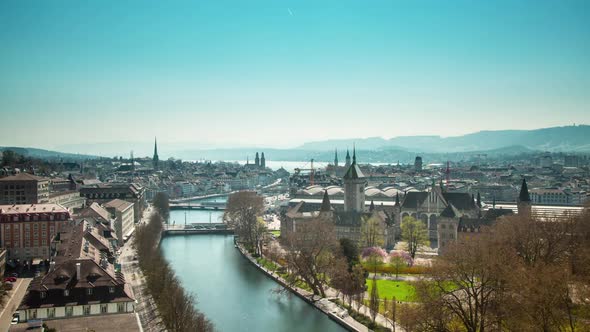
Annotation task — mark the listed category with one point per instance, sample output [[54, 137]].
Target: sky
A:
[[280, 73]]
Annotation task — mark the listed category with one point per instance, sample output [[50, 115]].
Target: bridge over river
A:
[[198, 206]]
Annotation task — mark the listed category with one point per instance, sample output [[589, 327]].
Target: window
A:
[[111, 290], [103, 308], [69, 311], [66, 292], [120, 307], [86, 310], [51, 313], [43, 295], [88, 291]]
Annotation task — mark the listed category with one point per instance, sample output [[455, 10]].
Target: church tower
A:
[[156, 159], [335, 158], [524, 199], [257, 160], [354, 187], [262, 161], [347, 160]]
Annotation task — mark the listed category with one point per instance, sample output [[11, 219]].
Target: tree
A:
[[372, 233], [242, 211], [467, 282], [350, 250], [162, 204], [176, 307], [374, 256], [415, 234], [399, 260], [9, 158], [313, 254], [374, 299]]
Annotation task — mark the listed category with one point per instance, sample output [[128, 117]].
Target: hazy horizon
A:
[[279, 74]]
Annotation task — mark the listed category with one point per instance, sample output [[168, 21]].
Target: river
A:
[[231, 292]]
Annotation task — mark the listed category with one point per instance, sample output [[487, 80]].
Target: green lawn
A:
[[402, 290], [275, 233]]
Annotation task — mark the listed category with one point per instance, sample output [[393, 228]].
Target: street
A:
[[145, 307], [15, 297]]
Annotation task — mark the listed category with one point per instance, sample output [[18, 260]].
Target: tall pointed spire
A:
[[353, 154], [524, 192], [326, 207], [478, 199], [156, 158], [335, 157]]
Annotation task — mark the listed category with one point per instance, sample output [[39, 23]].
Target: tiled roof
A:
[[119, 204], [32, 208], [23, 177]]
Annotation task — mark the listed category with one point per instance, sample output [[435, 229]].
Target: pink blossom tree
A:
[[374, 256]]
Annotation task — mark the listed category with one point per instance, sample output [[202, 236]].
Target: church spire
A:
[[326, 207], [353, 154], [335, 157], [156, 158], [524, 192]]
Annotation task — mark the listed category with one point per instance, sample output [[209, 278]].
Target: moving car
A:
[[10, 279]]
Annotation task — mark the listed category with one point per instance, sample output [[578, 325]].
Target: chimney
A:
[[78, 270]]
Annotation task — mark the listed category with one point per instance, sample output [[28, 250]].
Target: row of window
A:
[[70, 310]]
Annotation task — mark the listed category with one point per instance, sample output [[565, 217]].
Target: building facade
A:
[[26, 230], [24, 188], [105, 192], [124, 223]]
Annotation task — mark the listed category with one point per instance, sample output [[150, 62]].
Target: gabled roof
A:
[[413, 199], [462, 201], [450, 212], [353, 172]]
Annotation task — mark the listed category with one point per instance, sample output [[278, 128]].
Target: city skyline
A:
[[281, 74]]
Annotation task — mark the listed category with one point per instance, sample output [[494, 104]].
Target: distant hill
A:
[[46, 154], [554, 139]]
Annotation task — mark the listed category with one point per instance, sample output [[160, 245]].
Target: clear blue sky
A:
[[279, 73]]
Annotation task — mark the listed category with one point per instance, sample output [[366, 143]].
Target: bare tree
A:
[[312, 254], [162, 205], [415, 234], [242, 213], [372, 233]]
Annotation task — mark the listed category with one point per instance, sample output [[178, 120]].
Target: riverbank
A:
[[330, 309]]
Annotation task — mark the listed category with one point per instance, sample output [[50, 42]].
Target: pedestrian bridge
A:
[[198, 206], [197, 228]]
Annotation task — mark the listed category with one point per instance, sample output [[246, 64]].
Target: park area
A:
[[402, 290]]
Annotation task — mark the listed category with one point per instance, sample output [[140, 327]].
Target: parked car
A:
[[15, 275], [10, 279], [15, 319]]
